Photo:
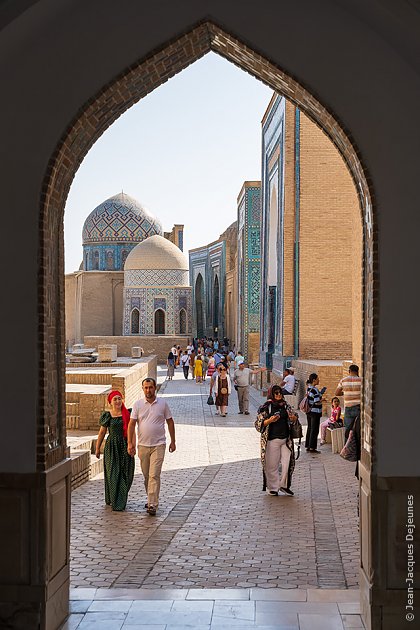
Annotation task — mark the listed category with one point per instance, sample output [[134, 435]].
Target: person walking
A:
[[151, 414], [277, 447], [185, 364], [118, 463], [198, 369], [222, 386], [241, 380], [170, 362], [238, 359], [314, 414], [351, 387]]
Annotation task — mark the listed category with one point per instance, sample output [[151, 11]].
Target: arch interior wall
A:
[[386, 47]]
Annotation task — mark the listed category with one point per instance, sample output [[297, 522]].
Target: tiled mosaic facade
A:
[[207, 273], [249, 264], [111, 231], [272, 198], [156, 278], [148, 300]]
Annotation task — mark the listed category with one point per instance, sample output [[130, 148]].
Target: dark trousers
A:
[[350, 415], [186, 369], [311, 440]]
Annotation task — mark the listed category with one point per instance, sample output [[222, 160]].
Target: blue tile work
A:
[[249, 264], [271, 323], [209, 261], [149, 299], [155, 277], [112, 229]]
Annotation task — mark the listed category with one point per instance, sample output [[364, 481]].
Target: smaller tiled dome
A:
[[156, 252]]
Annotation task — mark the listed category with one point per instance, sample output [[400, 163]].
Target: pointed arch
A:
[[135, 321], [182, 321], [160, 322], [199, 305]]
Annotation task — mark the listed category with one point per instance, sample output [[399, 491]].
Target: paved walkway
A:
[[215, 527]]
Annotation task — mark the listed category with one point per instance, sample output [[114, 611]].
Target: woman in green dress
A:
[[118, 464]]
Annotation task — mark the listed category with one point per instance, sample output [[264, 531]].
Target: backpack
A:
[[304, 404]]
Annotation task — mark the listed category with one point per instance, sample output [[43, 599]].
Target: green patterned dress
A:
[[118, 464]]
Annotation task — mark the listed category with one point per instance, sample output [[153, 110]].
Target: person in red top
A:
[[333, 421]]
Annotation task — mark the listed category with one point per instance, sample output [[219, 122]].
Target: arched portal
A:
[[182, 321], [159, 322], [199, 305], [135, 321], [216, 304], [103, 105]]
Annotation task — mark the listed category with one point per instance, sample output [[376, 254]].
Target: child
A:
[[333, 421]]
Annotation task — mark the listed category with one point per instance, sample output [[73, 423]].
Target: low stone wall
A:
[[158, 345], [128, 382], [87, 390]]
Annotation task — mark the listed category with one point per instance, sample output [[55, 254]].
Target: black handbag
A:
[[296, 431], [210, 400]]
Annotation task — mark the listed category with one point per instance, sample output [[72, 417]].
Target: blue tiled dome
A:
[[120, 219]]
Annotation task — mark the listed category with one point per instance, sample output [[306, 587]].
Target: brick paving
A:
[[215, 527]]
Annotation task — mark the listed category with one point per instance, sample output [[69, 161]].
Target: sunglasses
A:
[[278, 394], [222, 370]]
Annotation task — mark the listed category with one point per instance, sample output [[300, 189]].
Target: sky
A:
[[183, 151]]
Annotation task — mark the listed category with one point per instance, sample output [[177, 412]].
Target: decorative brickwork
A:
[[88, 125]]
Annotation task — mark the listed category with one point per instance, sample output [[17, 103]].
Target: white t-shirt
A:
[[185, 360], [289, 383], [239, 359], [151, 419]]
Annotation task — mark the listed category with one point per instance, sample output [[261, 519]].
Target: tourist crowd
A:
[[277, 422]]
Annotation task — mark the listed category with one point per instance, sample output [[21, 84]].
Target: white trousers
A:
[[276, 452]]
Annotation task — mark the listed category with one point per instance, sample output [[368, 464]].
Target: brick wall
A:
[[329, 210], [289, 232]]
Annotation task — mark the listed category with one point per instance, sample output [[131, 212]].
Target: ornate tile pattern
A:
[[156, 278], [148, 300], [249, 265], [111, 231], [118, 219]]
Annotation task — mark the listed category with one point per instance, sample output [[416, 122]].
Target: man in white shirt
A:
[[150, 415], [239, 359], [185, 363], [288, 383], [241, 381]]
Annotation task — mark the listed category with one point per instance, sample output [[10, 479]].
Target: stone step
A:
[[72, 422], [72, 408]]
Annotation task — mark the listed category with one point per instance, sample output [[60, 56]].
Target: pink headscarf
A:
[[124, 411]]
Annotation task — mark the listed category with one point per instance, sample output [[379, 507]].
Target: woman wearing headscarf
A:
[[170, 362], [276, 444], [118, 464], [222, 386]]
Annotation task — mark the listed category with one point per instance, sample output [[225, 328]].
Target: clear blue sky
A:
[[183, 152]]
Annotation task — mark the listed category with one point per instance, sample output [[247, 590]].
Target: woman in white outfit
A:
[[276, 444]]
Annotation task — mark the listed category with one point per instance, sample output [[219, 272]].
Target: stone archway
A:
[[104, 108]]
